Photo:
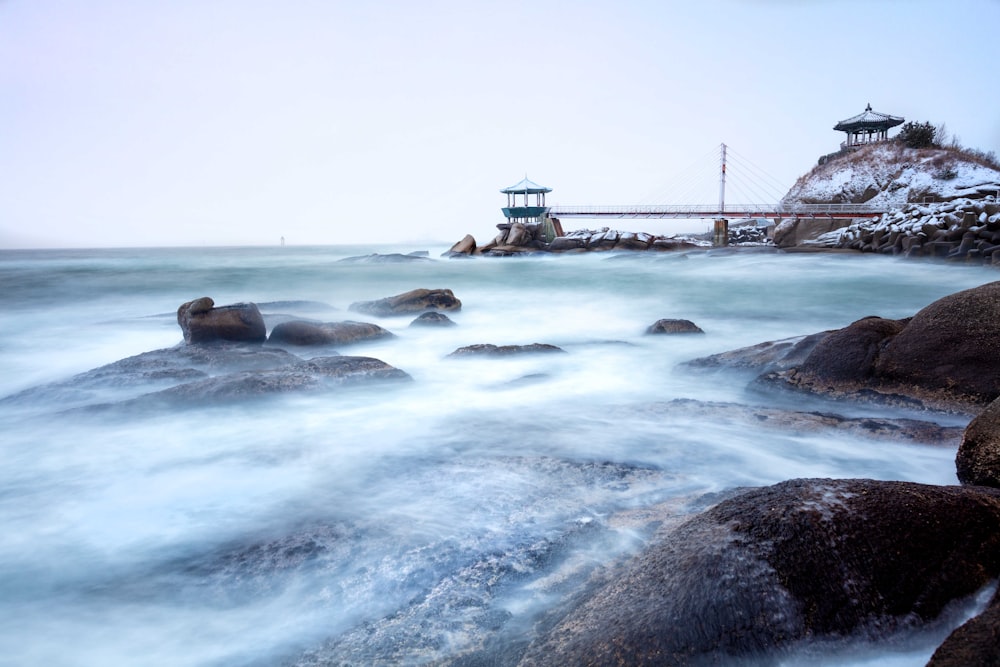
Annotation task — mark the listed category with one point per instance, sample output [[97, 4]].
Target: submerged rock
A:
[[673, 327], [414, 301], [202, 322], [300, 332], [314, 374], [490, 350], [390, 258], [432, 319], [803, 560]]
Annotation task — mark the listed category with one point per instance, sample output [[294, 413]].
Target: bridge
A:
[[749, 186], [683, 211]]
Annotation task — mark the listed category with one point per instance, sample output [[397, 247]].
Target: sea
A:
[[430, 522]]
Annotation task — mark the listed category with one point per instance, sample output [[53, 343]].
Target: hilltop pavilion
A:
[[866, 128]]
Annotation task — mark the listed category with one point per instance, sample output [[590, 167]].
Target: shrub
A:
[[917, 135]]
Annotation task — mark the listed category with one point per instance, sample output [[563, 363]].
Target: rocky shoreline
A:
[[760, 574]]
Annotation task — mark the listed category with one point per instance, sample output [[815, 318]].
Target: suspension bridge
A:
[[752, 184]]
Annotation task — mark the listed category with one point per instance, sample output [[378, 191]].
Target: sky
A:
[[239, 122]]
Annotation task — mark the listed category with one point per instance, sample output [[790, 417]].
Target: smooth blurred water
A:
[[407, 524]]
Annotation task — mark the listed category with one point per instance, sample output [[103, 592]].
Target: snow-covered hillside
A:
[[891, 175]]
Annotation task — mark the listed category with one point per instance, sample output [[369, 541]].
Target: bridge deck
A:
[[737, 211]]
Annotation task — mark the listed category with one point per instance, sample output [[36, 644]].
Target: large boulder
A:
[[414, 301], [978, 458], [465, 247], [975, 642], [947, 356], [300, 332], [774, 568], [952, 346], [202, 322]]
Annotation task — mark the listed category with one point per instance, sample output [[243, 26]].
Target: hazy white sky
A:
[[236, 122]]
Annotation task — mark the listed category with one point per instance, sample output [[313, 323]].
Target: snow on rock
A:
[[891, 175]]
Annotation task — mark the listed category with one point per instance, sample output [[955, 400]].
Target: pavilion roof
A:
[[525, 187], [869, 120]]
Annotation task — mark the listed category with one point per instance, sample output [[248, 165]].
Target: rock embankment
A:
[[963, 229], [521, 238]]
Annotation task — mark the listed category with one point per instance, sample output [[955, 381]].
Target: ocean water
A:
[[412, 523]]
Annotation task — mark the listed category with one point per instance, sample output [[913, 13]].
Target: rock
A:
[[312, 375], [564, 243], [951, 347], [673, 327], [978, 458], [299, 332], [490, 350], [414, 301], [772, 568], [796, 231], [848, 355], [432, 319], [764, 357], [975, 642], [465, 247], [202, 322], [518, 235]]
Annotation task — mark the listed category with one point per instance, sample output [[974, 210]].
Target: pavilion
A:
[[525, 212], [866, 128]]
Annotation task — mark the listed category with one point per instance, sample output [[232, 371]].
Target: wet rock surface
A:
[[762, 571], [407, 303], [203, 322], [432, 319], [978, 458], [300, 332], [946, 357]]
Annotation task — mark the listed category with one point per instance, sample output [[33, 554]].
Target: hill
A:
[[892, 175]]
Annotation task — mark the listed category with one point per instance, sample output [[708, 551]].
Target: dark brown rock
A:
[[764, 357], [414, 301], [673, 327], [772, 567], [848, 355], [202, 322], [978, 458], [975, 642], [952, 347], [299, 332]]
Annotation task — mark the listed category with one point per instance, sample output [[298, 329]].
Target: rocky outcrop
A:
[[299, 332], [772, 567], [978, 458], [520, 238], [202, 322], [490, 350], [668, 326], [407, 303], [944, 357], [311, 375], [464, 248]]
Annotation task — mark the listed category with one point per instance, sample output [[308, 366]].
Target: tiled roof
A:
[[868, 120]]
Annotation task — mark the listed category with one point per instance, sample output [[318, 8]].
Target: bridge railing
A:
[[702, 211]]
